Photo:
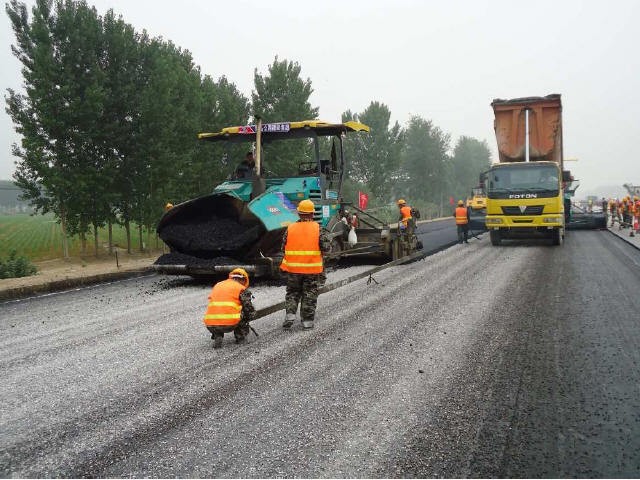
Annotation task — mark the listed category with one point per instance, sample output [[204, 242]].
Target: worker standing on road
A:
[[303, 245], [230, 308], [612, 210], [462, 222], [405, 221], [246, 169]]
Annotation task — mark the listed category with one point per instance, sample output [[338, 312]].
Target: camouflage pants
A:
[[303, 289], [239, 331]]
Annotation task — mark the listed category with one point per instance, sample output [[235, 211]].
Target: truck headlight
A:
[[493, 220], [553, 220]]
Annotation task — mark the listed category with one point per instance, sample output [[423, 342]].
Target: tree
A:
[[58, 113], [424, 170], [470, 158], [283, 96], [374, 159]]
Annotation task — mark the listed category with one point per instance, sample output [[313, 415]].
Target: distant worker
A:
[[230, 308], [304, 244], [462, 222], [635, 216], [247, 169], [405, 221], [612, 210], [604, 204]]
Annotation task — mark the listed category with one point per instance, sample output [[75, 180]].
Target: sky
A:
[[444, 61]]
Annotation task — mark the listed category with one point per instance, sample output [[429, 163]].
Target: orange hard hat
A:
[[401, 202], [240, 273], [306, 206], [168, 206]]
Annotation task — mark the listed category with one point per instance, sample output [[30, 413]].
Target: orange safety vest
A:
[[405, 212], [461, 216], [302, 251], [224, 307]]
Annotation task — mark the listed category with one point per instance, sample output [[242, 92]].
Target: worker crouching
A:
[[303, 245], [462, 222], [230, 308]]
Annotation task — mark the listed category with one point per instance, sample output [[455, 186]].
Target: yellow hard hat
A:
[[168, 206], [401, 202], [240, 273], [460, 203], [306, 206]]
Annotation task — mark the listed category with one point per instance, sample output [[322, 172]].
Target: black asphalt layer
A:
[[517, 361]]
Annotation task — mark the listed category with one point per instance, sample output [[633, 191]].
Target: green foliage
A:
[[424, 168], [109, 116], [374, 159], [14, 266], [283, 96], [39, 237], [471, 157]]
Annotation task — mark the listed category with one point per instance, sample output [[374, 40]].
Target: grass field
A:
[[39, 237]]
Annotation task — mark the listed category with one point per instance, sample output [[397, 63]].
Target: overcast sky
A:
[[442, 60]]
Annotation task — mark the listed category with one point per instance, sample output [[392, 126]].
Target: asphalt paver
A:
[[481, 361]]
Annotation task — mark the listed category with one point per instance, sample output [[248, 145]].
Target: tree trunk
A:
[[157, 240], [110, 238], [127, 227], [140, 235], [83, 240], [95, 239], [65, 242], [148, 238]]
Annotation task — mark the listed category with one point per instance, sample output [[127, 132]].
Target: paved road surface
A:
[[520, 360]]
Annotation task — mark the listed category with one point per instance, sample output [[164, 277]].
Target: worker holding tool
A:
[[405, 222], [230, 308], [304, 244], [462, 222]]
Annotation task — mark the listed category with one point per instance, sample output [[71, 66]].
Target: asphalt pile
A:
[[201, 235], [175, 258]]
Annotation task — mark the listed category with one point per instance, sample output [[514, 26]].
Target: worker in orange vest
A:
[[230, 308], [303, 245], [462, 222], [635, 216], [405, 222]]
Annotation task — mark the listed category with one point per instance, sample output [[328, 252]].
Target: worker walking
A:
[[303, 245], [462, 222], [230, 308]]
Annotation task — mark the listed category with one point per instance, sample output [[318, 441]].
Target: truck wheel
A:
[[557, 236], [495, 237]]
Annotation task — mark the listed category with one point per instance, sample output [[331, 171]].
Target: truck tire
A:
[[495, 237], [557, 236]]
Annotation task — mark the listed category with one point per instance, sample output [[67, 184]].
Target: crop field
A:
[[39, 237]]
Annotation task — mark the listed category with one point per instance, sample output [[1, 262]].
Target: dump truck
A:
[[525, 188], [242, 222]]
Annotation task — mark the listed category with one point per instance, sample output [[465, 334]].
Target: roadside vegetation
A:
[[39, 237], [109, 119], [14, 266]]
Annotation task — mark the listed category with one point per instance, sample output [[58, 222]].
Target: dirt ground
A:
[[78, 267]]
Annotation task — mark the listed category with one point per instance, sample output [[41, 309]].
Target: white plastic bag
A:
[[352, 238]]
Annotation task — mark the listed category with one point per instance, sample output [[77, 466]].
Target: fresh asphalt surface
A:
[[516, 361]]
